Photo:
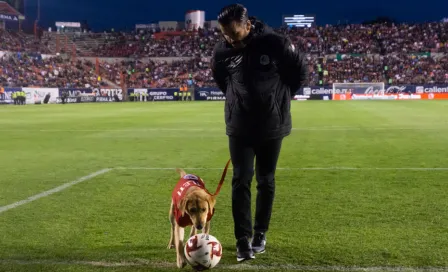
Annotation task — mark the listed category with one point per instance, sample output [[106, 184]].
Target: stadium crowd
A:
[[20, 42], [361, 39], [120, 44], [349, 53], [391, 69], [31, 70]]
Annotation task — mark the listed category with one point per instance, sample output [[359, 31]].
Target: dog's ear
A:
[[183, 205], [211, 203], [181, 172]]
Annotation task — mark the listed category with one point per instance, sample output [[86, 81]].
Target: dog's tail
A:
[[181, 172]]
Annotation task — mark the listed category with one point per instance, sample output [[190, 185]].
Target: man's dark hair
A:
[[233, 13]]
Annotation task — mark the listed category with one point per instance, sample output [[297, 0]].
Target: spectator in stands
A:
[[2, 93], [382, 55]]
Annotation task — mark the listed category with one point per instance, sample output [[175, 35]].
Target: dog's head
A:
[[198, 204]]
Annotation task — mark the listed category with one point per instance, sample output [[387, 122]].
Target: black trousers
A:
[[243, 152]]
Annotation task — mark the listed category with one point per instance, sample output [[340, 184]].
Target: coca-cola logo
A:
[[395, 89], [373, 90], [388, 90]]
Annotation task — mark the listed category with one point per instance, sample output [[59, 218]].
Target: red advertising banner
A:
[[435, 96], [422, 96]]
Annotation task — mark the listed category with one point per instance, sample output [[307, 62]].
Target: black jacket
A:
[[258, 81]]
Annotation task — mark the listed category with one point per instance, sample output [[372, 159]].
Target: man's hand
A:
[[293, 66], [219, 71]]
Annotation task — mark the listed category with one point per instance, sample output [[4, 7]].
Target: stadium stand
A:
[[23, 70], [359, 39], [401, 54]]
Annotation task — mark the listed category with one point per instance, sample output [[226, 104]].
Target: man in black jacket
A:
[[259, 71]]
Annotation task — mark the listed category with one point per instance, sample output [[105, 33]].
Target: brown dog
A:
[[191, 205]]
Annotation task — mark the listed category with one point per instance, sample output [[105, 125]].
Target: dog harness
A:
[[185, 183], [181, 188]]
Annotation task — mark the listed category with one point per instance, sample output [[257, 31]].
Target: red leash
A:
[[223, 177]]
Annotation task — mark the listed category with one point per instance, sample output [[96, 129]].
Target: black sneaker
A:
[[244, 250], [259, 242]]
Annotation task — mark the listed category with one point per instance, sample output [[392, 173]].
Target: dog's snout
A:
[[199, 227]]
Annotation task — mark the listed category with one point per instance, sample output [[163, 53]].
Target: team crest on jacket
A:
[[264, 60], [235, 61]]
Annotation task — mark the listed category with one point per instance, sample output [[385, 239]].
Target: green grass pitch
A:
[[357, 186]]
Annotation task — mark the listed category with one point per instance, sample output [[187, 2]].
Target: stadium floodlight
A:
[[365, 89]]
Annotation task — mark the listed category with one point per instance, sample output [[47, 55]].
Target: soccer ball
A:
[[203, 251]]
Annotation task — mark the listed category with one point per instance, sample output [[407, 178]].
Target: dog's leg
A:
[[179, 241], [173, 224], [207, 228], [193, 231]]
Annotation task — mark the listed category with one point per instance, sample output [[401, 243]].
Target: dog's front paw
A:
[[181, 262]]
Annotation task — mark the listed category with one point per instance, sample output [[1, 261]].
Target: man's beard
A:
[[244, 42]]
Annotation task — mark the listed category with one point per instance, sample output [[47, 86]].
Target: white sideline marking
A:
[[238, 267], [52, 191], [299, 168]]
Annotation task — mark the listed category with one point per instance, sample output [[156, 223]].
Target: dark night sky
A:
[[124, 14]]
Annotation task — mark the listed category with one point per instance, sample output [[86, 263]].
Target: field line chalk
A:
[[300, 168], [54, 190], [234, 267]]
